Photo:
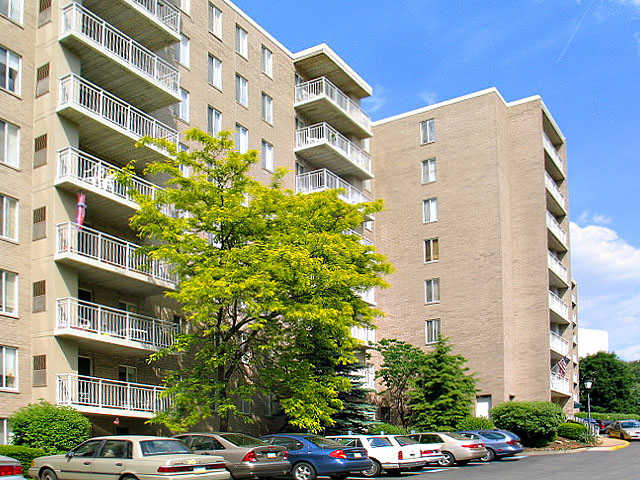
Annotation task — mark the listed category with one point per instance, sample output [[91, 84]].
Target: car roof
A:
[[131, 437]]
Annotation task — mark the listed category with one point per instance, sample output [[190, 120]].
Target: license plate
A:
[[357, 455], [272, 455], [199, 469]]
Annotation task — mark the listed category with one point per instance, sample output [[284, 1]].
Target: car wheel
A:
[[303, 471], [490, 456], [373, 471], [48, 474], [448, 461]]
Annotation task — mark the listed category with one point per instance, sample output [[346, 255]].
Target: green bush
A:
[[387, 428], [476, 423], [23, 454], [536, 423], [572, 431], [51, 428], [609, 416]]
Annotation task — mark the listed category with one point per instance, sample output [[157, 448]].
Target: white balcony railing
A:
[[325, 133], [88, 317], [367, 376], [363, 241], [322, 87], [81, 21], [163, 11], [560, 384], [366, 335], [110, 250], [552, 152], [576, 378], [75, 90], [558, 344], [556, 266], [324, 179], [557, 305], [574, 318], [552, 186], [556, 229], [78, 391], [368, 296], [574, 298]]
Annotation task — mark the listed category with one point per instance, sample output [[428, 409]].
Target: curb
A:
[[610, 449], [576, 450]]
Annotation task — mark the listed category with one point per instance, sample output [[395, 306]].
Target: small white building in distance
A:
[[591, 341]]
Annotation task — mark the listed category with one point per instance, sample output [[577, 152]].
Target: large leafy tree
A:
[[265, 277], [614, 385]]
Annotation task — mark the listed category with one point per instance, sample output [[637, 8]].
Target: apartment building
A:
[[477, 226], [81, 83]]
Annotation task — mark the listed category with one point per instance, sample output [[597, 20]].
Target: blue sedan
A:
[[499, 444], [313, 455]]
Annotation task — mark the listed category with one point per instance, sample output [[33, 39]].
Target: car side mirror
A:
[[69, 455]]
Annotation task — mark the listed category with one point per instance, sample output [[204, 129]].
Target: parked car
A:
[[455, 448], [10, 468], [603, 426], [246, 456], [392, 453], [625, 429], [130, 457], [498, 444]]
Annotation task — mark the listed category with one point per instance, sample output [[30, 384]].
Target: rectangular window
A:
[[8, 293], [215, 72], [12, 9], [44, 12], [429, 170], [8, 217], [39, 224], [40, 151], [9, 144], [267, 61], [39, 296], [432, 331], [242, 41], [181, 110], [6, 435], [432, 290], [267, 156], [242, 90], [214, 121], [181, 51], [10, 70], [430, 210], [127, 373], [242, 138], [42, 79], [9, 368], [215, 20], [267, 108], [428, 131], [431, 250]]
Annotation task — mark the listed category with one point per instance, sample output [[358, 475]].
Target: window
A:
[[242, 138], [39, 296], [245, 406], [40, 151], [431, 250], [215, 72], [267, 61], [214, 121], [366, 184], [6, 435], [181, 110], [39, 371], [39, 224], [9, 368], [116, 449], [267, 156], [185, 6], [432, 331], [87, 449], [201, 442], [181, 51], [215, 20], [8, 217], [12, 9], [127, 373], [242, 44], [429, 170], [10, 67], [8, 292], [267, 108], [432, 290], [242, 90], [44, 12], [42, 79], [9, 144], [430, 210], [428, 131]]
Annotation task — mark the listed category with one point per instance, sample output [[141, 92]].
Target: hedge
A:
[[23, 454], [609, 416], [573, 431], [387, 428], [476, 423], [536, 423]]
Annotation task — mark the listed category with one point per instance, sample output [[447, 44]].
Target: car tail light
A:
[[400, 455], [338, 454], [250, 457], [6, 470], [428, 452], [512, 442], [285, 454], [189, 468], [472, 445]]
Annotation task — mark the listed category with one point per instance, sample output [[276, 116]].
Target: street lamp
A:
[[588, 385]]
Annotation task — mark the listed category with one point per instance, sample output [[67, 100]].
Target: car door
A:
[[296, 450], [79, 465], [112, 459]]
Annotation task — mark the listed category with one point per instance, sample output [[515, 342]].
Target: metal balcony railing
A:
[[553, 152], [552, 186], [81, 21], [560, 384], [324, 179], [72, 313], [556, 229], [364, 241], [164, 12], [556, 266], [558, 344], [557, 305]]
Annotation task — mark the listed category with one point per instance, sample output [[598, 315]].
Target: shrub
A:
[[536, 423], [387, 428], [572, 431], [476, 423], [23, 454], [51, 428]]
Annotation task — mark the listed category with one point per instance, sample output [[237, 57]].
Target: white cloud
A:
[[376, 101], [428, 97], [587, 217]]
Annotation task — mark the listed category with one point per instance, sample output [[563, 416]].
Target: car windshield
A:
[[461, 436], [322, 442], [402, 441], [493, 435], [163, 447], [630, 424], [242, 440]]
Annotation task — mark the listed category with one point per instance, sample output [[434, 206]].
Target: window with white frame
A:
[[215, 20], [242, 90], [181, 52], [267, 61], [268, 162], [6, 435], [431, 250], [432, 290], [432, 330], [430, 210], [428, 131], [242, 41], [214, 121], [12, 9], [8, 292], [429, 170], [242, 138], [9, 144], [8, 217], [215, 72], [9, 373], [267, 108], [10, 70], [181, 109]]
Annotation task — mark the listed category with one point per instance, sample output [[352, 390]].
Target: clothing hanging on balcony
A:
[[81, 208]]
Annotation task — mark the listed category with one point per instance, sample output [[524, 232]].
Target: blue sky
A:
[[582, 56]]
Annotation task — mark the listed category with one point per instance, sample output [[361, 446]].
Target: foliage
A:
[[23, 454], [609, 416], [573, 431], [536, 423], [388, 429], [475, 423], [265, 276], [443, 393], [400, 364], [614, 386], [49, 427]]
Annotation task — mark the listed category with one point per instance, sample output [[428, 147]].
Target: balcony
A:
[[320, 180], [117, 62], [367, 377], [363, 240], [558, 344], [557, 236], [559, 275], [576, 378], [320, 100], [560, 384], [109, 125], [556, 201], [574, 299], [324, 146], [575, 358], [154, 23], [114, 329], [574, 318], [110, 261], [559, 310], [368, 296], [553, 162], [103, 396], [365, 335]]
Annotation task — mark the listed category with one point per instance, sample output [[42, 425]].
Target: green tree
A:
[[443, 393], [613, 383], [265, 276], [400, 364]]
